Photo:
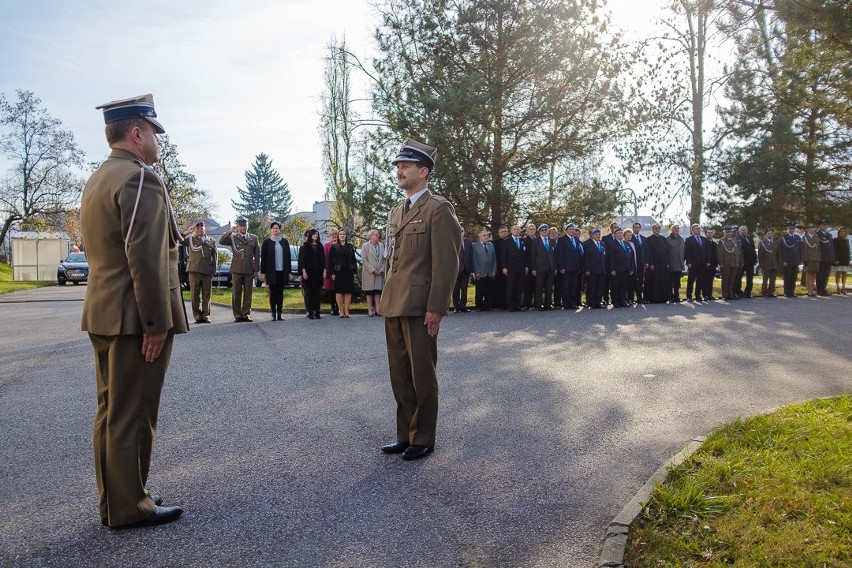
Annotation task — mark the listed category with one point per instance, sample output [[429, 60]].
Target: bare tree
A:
[[668, 147], [45, 176]]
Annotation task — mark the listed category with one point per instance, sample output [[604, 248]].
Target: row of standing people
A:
[[332, 267], [545, 271]]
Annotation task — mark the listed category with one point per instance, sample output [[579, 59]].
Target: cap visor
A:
[[157, 126]]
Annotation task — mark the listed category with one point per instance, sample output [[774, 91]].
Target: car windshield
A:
[[76, 257]]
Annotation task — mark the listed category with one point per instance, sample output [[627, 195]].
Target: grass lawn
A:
[[8, 285], [260, 299], [775, 490]]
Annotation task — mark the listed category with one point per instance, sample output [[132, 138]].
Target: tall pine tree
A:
[[265, 194]]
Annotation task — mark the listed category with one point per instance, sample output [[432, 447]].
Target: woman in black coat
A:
[[342, 266], [275, 267], [312, 272]]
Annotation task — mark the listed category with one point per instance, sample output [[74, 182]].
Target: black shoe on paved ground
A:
[[455, 310], [395, 448], [160, 516], [464, 310], [247, 318], [417, 452]]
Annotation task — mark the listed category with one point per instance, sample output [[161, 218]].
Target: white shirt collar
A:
[[416, 196]]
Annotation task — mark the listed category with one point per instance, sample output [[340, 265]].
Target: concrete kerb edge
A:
[[615, 540]]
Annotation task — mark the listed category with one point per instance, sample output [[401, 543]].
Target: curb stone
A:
[[615, 540]]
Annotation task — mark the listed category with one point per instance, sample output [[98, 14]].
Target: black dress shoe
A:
[[464, 310], [455, 310], [311, 315], [160, 516], [417, 452], [316, 315], [395, 448], [247, 318]]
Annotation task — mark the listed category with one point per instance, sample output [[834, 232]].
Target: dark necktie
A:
[[407, 206], [517, 243]]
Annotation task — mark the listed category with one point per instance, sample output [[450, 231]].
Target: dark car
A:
[[222, 276], [74, 269]]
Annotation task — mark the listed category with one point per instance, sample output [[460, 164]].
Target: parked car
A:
[[294, 269], [75, 268], [222, 276]]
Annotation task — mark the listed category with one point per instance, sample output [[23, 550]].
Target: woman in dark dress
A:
[[341, 264], [275, 267], [312, 272]]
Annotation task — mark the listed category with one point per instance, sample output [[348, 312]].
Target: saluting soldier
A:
[[200, 269], [423, 246], [133, 308], [244, 265], [769, 259], [730, 257]]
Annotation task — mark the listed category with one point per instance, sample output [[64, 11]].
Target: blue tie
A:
[[546, 243], [517, 243]]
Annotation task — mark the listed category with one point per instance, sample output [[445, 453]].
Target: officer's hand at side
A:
[[152, 346], [432, 323]]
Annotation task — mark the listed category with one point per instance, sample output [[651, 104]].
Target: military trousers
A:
[[412, 361], [243, 285], [822, 277], [730, 277], [128, 392], [200, 286], [791, 274]]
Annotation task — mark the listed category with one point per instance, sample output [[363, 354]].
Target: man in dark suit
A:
[[620, 264], [641, 245], [498, 288], [697, 263], [569, 263], [712, 249], [791, 258], [529, 282], [749, 260], [543, 267], [463, 277], [514, 263], [594, 263], [132, 310], [608, 284]]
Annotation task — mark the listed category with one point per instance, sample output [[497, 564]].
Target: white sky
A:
[[230, 79]]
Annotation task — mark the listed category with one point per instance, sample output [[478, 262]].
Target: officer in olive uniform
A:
[[133, 308], [730, 257], [769, 259], [200, 269], [244, 265], [423, 247]]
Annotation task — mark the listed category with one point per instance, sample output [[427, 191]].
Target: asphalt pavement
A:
[[269, 432]]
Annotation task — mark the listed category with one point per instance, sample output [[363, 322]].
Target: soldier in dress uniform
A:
[[790, 249], [811, 258], [730, 256], [200, 269], [423, 246], [133, 308], [768, 258], [827, 258], [244, 266]]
